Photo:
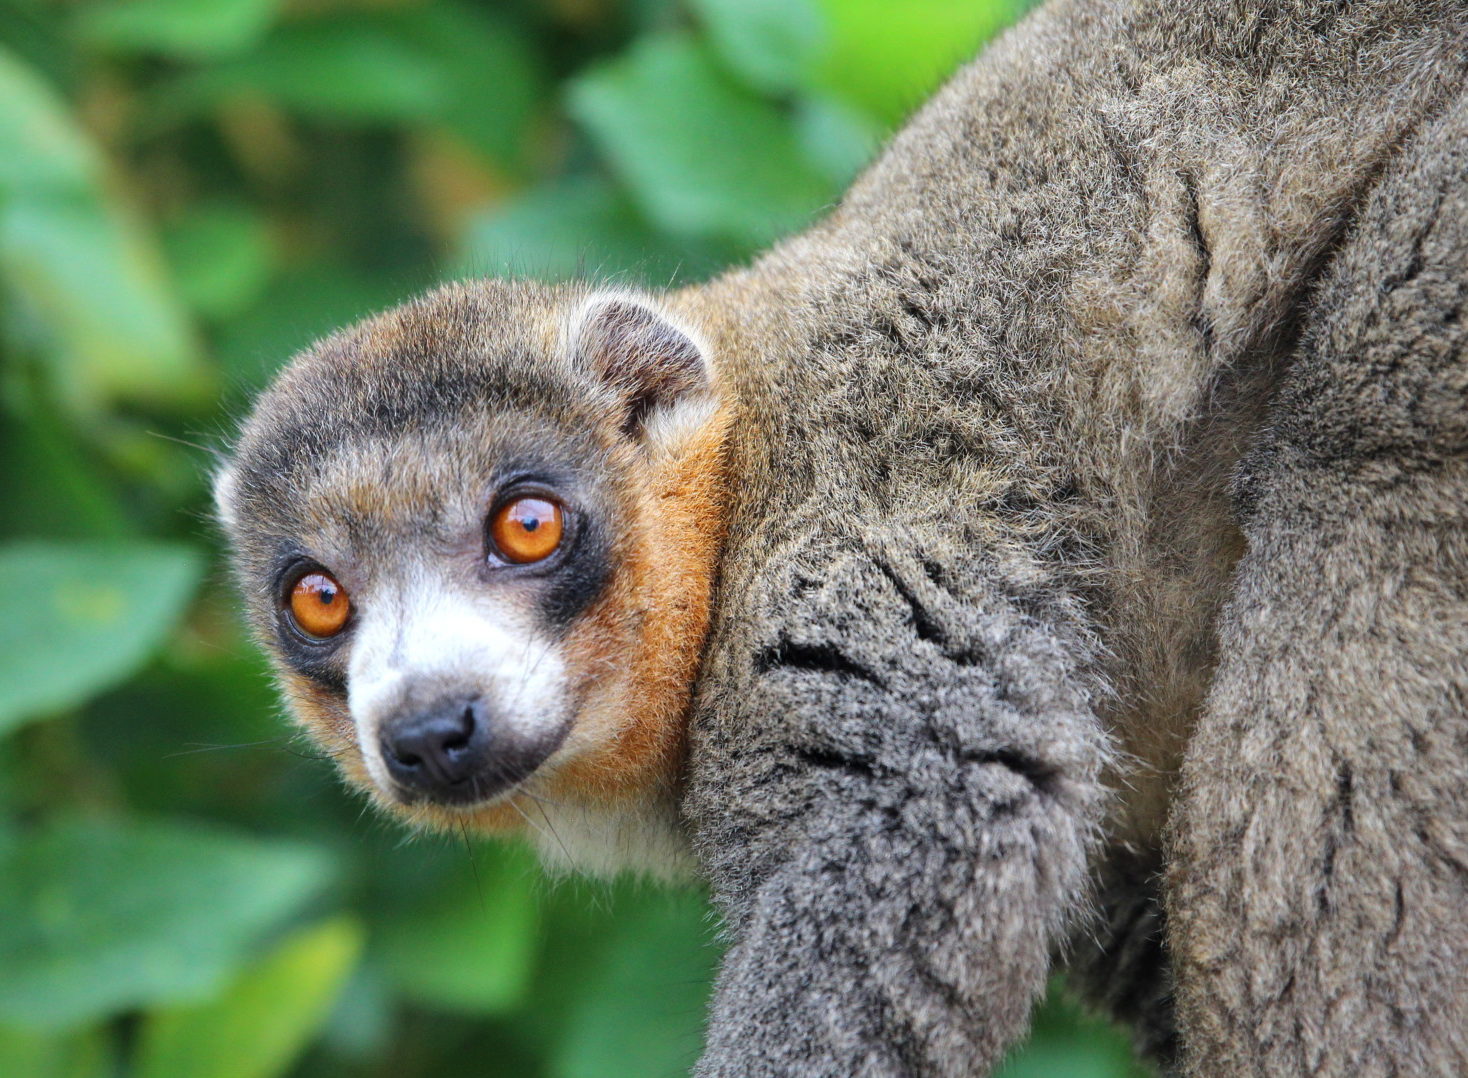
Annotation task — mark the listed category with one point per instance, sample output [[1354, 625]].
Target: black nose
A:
[[438, 752], [452, 754]]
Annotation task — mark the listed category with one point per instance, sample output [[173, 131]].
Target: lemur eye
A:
[[319, 605], [527, 529]]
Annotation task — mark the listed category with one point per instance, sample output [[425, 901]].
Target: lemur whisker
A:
[[198, 747], [473, 864], [212, 451], [541, 799], [551, 827], [532, 824]]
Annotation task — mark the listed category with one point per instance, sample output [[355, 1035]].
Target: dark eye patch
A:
[[572, 578], [575, 583], [318, 660]]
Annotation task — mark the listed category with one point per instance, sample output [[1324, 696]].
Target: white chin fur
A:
[[600, 841]]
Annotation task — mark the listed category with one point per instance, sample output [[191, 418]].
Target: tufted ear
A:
[[657, 368]]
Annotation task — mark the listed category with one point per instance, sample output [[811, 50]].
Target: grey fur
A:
[[986, 552], [1321, 840]]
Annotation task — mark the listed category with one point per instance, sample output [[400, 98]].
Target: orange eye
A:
[[319, 605], [527, 529]]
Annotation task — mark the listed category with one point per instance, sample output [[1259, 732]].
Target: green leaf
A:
[[27, 1054], [80, 262], [640, 1009], [887, 58], [489, 67], [221, 257], [466, 70], [50, 485], [582, 227], [701, 155], [838, 137], [92, 276], [260, 1024], [348, 69], [472, 945], [96, 918], [188, 29], [77, 618], [772, 44], [360, 1025], [41, 150]]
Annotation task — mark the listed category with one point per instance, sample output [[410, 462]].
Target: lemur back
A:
[[896, 582]]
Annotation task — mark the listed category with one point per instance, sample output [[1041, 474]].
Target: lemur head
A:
[[477, 535]]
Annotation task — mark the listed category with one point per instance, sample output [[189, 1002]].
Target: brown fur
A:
[[1002, 659]]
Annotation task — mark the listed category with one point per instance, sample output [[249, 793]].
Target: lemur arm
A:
[[894, 800]]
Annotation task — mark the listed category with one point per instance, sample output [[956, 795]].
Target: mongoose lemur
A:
[[1056, 556]]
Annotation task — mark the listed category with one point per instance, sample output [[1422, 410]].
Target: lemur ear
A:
[[656, 366]]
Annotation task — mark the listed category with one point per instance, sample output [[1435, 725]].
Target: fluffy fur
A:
[[1083, 505]]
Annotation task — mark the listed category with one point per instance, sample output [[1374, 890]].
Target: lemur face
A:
[[474, 533]]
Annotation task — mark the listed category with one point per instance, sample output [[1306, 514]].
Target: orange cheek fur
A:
[[637, 652]]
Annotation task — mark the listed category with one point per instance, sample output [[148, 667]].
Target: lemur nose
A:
[[455, 755], [439, 752]]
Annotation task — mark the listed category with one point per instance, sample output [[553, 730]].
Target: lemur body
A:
[[1068, 528]]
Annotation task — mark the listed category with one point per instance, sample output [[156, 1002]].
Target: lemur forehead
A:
[[350, 390], [428, 482], [451, 362]]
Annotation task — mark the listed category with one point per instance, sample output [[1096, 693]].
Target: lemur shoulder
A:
[[1054, 556]]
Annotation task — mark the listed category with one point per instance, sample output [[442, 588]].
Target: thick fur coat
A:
[[1093, 578], [1148, 288]]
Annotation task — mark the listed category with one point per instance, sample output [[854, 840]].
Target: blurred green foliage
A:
[[189, 191]]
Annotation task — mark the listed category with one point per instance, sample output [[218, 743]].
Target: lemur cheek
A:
[[324, 716]]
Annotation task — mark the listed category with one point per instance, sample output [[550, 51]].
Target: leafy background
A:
[[189, 191]]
